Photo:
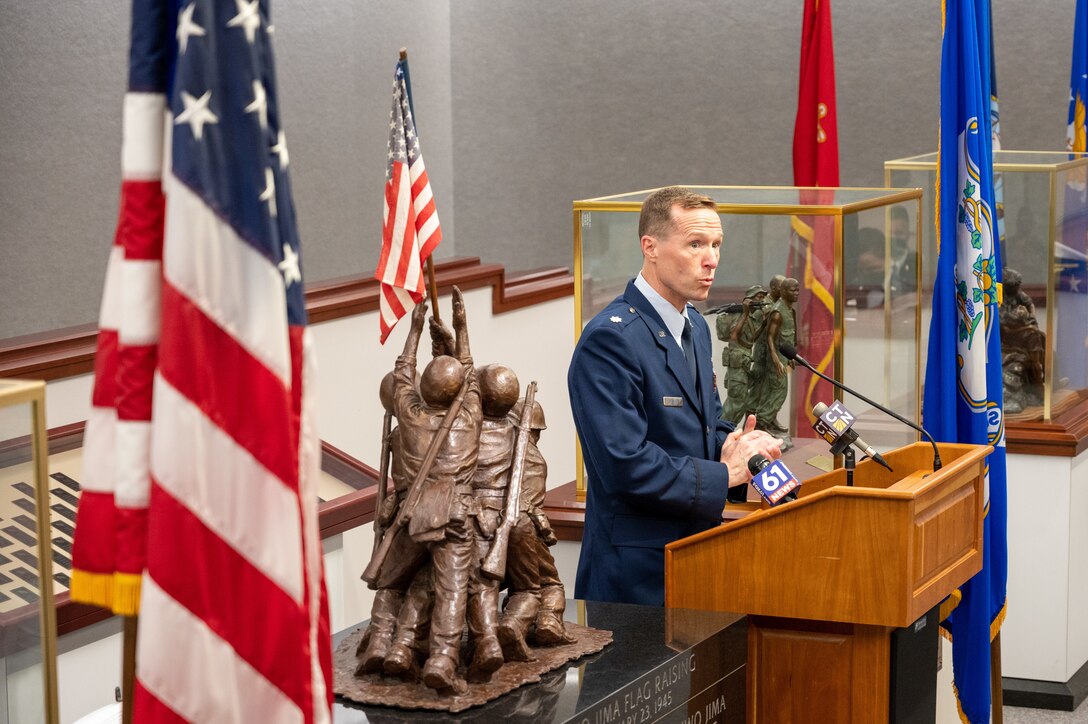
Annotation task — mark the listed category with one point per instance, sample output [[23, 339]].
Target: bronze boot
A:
[[483, 614], [383, 619], [440, 672], [550, 630], [517, 615]]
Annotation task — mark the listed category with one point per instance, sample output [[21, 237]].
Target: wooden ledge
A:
[[1066, 435], [70, 351], [566, 513]]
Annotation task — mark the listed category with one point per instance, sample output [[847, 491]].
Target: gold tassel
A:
[[93, 588], [126, 593], [949, 604]]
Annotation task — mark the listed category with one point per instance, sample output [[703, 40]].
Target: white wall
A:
[[1044, 636], [88, 668]]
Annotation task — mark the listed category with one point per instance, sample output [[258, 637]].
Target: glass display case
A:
[[1043, 226], [855, 254], [27, 614]]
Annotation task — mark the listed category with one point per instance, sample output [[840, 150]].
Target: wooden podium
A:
[[828, 578]]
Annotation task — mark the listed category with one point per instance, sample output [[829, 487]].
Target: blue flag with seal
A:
[[1072, 252], [963, 391], [1078, 81]]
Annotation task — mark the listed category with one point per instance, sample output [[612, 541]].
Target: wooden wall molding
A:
[[70, 351]]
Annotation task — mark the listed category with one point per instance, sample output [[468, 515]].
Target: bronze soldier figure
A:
[[499, 389], [535, 593], [439, 440], [769, 367], [739, 332]]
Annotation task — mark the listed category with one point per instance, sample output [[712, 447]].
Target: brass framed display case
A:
[[1043, 226], [855, 253], [27, 614]]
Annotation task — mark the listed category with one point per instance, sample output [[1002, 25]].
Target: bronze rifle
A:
[[383, 476], [494, 565]]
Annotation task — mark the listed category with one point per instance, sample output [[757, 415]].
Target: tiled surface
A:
[[18, 532]]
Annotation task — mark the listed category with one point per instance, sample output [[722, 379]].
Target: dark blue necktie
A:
[[689, 352]]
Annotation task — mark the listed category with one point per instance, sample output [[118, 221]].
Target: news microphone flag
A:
[[773, 481], [963, 387], [410, 228], [210, 425], [832, 422]]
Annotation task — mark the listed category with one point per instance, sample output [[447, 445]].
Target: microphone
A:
[[773, 481], [789, 352], [835, 424]]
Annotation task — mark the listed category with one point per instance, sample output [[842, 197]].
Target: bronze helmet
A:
[[499, 389]]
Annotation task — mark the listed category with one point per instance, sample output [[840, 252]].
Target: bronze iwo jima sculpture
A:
[[464, 520]]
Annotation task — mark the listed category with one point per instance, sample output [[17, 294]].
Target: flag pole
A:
[[432, 285], [128, 667]]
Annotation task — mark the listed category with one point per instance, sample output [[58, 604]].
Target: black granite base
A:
[[1046, 694], [665, 666]]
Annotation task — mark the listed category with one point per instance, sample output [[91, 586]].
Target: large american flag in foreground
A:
[[221, 463], [410, 230]]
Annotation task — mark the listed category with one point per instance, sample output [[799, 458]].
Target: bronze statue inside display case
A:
[[770, 370], [1023, 347], [465, 520]]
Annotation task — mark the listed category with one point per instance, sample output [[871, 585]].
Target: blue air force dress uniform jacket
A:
[[651, 442]]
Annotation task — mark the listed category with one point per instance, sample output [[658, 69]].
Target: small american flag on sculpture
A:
[[410, 228]]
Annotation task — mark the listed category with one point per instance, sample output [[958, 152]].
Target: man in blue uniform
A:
[[660, 459]]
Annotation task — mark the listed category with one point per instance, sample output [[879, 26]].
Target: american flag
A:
[[233, 612], [410, 230]]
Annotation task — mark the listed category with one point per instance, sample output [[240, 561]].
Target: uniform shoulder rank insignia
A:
[[615, 319]]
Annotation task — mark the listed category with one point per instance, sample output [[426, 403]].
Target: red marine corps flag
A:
[[410, 230], [815, 163]]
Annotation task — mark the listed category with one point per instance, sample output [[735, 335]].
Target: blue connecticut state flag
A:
[[1072, 250], [963, 392]]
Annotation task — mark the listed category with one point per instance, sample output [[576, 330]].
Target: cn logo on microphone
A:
[[775, 482], [834, 421]]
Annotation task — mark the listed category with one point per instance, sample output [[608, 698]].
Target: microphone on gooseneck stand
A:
[[835, 424], [790, 353], [773, 481]]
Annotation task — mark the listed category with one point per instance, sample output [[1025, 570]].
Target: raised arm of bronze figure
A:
[[460, 327], [442, 342], [416, 331]]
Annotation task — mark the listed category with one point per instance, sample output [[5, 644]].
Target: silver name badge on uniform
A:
[[672, 401]]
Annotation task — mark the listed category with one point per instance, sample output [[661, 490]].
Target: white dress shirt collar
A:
[[674, 320]]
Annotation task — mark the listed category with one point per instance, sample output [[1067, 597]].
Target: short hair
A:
[[656, 217], [899, 213]]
